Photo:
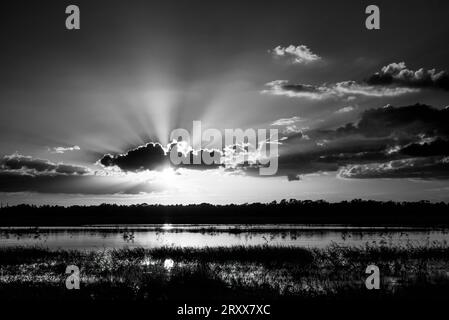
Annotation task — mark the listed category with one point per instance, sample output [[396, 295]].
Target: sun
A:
[[167, 176]]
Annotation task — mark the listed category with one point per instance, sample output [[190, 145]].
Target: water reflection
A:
[[150, 236], [168, 264]]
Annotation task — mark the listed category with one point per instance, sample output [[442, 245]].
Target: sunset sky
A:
[[360, 113]]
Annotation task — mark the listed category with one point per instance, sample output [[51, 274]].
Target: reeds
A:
[[241, 273]]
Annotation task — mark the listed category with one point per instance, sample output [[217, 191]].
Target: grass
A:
[[226, 273]]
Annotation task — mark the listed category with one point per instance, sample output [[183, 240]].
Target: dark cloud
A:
[[337, 154], [195, 160], [29, 165], [291, 165], [294, 177], [426, 149], [19, 173], [407, 120], [359, 152], [398, 74], [301, 88], [153, 156], [390, 135]]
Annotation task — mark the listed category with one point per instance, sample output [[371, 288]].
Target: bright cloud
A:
[[300, 54], [337, 90], [64, 149], [287, 121]]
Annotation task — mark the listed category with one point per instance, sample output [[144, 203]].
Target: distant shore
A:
[[228, 228], [356, 213]]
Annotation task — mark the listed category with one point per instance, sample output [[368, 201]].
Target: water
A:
[[150, 236]]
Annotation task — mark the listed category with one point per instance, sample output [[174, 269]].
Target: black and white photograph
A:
[[236, 159]]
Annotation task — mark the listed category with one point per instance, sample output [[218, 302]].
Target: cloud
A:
[[283, 88], [338, 90], [382, 137], [345, 109], [287, 121], [290, 127], [398, 74], [300, 54], [408, 120], [424, 168], [195, 159], [354, 88], [32, 166], [19, 173], [426, 149], [64, 149], [293, 129], [393, 80], [152, 156]]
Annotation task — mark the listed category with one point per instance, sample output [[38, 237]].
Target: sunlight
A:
[[167, 176], [167, 226], [168, 264]]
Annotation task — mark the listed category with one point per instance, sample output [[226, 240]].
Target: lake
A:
[[150, 236]]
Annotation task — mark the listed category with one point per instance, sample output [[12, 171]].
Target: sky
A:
[[86, 115]]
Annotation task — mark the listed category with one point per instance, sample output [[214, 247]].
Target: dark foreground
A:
[[293, 281], [222, 274]]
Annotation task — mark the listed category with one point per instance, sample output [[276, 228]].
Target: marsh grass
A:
[[217, 274]]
